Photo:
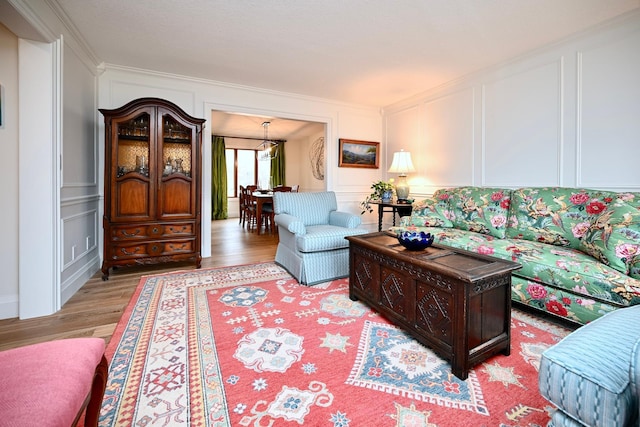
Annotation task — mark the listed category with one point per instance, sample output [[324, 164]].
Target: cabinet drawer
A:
[[147, 231], [129, 250], [174, 229]]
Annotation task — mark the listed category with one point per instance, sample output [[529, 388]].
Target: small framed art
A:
[[359, 154]]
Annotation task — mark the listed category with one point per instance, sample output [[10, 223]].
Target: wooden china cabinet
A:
[[152, 184]]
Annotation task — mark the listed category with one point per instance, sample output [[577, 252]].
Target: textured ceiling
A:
[[370, 52]]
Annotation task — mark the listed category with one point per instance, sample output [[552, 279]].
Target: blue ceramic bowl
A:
[[415, 240]]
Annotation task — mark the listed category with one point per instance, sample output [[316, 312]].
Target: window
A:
[[243, 168]]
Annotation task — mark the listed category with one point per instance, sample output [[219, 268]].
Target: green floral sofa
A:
[[579, 248]]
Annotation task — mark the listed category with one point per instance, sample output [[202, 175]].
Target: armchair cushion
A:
[[586, 375], [291, 223], [324, 238], [310, 208], [634, 374], [344, 219]]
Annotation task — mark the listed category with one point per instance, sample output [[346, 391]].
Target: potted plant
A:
[[382, 191]]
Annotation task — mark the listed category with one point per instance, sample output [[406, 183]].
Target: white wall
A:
[[118, 85], [9, 174], [51, 196], [80, 202], [306, 180], [564, 115]]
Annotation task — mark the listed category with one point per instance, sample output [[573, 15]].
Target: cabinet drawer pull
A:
[[135, 233], [135, 251], [176, 230]]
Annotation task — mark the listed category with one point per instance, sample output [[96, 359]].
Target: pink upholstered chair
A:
[[50, 384]]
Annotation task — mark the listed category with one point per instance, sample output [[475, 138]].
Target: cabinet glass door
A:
[[176, 147], [132, 163], [177, 189], [133, 146]]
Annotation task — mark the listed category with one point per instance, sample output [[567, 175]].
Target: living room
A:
[[558, 113], [550, 99]]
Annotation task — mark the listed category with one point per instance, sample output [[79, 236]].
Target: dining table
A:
[[261, 198]]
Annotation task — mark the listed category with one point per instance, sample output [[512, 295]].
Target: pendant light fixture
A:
[[267, 148]]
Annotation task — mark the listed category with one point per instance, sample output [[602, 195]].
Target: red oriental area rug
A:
[[249, 346]]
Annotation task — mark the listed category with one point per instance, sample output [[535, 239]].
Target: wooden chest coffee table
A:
[[456, 302]]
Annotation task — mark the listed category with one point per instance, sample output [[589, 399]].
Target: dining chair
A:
[[241, 205], [295, 188], [267, 209], [249, 206]]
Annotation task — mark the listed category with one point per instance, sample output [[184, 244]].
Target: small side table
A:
[[402, 209]]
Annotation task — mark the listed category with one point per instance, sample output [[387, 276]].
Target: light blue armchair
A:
[[312, 233]]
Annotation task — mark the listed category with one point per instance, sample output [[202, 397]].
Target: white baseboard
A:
[[9, 307], [75, 282]]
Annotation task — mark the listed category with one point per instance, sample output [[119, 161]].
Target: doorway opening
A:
[[304, 152]]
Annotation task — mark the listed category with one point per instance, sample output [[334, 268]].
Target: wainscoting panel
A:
[[402, 132], [609, 114], [81, 235], [522, 128], [79, 143], [450, 144], [80, 232]]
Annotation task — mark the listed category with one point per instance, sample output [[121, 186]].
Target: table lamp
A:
[[402, 165]]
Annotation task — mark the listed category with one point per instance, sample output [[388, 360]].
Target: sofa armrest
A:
[[291, 223], [344, 219]]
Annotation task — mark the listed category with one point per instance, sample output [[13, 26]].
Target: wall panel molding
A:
[[608, 107]]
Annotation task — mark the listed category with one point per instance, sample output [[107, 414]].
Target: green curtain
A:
[[218, 179], [277, 166]]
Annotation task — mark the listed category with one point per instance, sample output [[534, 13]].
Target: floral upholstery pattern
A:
[[483, 210], [430, 213], [613, 238], [554, 215], [594, 287], [582, 283]]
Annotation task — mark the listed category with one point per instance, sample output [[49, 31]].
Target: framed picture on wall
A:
[[359, 154]]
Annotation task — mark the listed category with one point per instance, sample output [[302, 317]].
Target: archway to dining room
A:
[[243, 132]]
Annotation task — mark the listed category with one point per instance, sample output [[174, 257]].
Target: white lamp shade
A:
[[402, 163]]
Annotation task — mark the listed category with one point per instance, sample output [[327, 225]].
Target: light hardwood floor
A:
[[96, 308]]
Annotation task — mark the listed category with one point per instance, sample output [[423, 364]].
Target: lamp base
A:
[[402, 188]]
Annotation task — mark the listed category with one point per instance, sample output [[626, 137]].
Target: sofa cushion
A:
[[483, 210], [555, 215], [559, 302], [586, 375], [430, 212], [613, 237], [563, 268], [632, 199]]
